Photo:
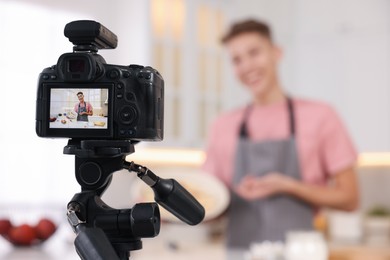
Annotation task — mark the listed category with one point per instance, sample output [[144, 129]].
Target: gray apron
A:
[[269, 218], [81, 110]]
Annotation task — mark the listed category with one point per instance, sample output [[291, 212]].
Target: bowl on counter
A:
[[53, 117], [26, 234], [27, 226]]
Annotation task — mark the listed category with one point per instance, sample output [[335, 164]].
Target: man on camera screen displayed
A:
[[83, 109]]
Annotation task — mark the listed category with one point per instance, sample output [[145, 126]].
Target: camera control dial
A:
[[128, 115]]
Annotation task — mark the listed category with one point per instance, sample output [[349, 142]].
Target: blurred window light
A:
[[177, 108], [196, 157], [204, 18], [177, 21], [159, 57], [34, 34], [177, 66], [159, 17], [168, 19], [202, 71], [210, 26], [168, 157], [374, 159], [203, 118], [219, 74], [168, 25], [186, 50], [220, 26]]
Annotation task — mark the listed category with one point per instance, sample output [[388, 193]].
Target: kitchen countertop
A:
[[213, 251], [73, 123], [168, 247], [62, 251], [60, 247]]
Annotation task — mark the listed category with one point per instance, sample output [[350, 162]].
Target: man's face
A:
[[80, 97], [255, 61]]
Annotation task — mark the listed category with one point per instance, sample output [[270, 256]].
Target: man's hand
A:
[[252, 188], [342, 194]]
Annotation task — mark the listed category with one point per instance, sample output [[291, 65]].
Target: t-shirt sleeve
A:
[[89, 107], [336, 147]]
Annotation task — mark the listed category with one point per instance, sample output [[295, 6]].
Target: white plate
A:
[[71, 115], [208, 190]]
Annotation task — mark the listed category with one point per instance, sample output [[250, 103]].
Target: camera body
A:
[[83, 97]]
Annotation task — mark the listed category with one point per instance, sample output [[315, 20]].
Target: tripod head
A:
[[107, 233]]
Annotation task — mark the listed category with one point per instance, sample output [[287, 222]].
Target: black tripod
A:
[[105, 233]]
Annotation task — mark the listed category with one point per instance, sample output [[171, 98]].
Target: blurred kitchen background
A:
[[335, 51]]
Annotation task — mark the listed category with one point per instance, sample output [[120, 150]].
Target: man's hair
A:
[[80, 93], [247, 26]]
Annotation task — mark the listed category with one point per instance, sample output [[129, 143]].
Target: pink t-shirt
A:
[[323, 144], [89, 107]]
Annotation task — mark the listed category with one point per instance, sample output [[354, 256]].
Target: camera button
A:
[[126, 116], [53, 77], [45, 76], [122, 132], [119, 86], [148, 76], [126, 74], [113, 74], [119, 96], [130, 96]]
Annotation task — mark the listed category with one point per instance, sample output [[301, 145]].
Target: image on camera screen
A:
[[80, 108]]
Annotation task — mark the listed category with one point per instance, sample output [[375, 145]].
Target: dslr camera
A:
[[104, 109], [83, 97]]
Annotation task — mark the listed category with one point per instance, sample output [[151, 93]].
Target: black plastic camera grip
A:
[[92, 243], [170, 195], [177, 200]]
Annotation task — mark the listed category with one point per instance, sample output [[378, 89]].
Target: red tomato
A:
[[5, 226], [45, 228], [22, 235]]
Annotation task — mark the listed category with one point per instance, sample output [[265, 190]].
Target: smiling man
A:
[[282, 157], [83, 109]]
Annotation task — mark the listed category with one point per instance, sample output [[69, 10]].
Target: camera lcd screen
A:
[[78, 108]]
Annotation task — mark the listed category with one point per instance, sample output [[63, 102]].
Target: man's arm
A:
[[342, 192], [89, 109]]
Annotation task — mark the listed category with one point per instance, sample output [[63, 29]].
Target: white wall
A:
[[34, 169], [337, 51]]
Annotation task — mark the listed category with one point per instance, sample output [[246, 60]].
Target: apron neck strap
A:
[[248, 110], [291, 116]]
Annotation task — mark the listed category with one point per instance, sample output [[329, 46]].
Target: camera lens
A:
[[128, 115]]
